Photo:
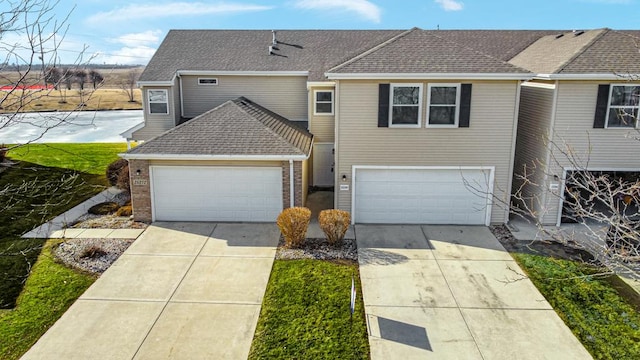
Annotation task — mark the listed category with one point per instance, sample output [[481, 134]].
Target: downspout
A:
[[552, 124], [291, 185]]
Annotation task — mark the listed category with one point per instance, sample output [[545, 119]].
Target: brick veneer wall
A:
[[297, 184], [140, 190]]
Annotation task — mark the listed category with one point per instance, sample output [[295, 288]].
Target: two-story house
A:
[[408, 126]]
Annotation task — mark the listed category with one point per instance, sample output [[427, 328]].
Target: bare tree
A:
[[129, 84], [96, 78]]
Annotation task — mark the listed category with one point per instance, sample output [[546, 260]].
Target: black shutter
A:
[[465, 105], [601, 107], [383, 105]]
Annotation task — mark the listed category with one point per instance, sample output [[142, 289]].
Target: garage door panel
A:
[[216, 193], [423, 196]]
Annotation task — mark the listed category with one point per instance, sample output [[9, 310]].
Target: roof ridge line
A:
[[477, 51], [269, 128], [588, 45], [373, 49]]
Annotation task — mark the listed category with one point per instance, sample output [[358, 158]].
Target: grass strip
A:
[[306, 313], [48, 293], [606, 324]]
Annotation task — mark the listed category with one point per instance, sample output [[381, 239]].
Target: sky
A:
[[128, 32]]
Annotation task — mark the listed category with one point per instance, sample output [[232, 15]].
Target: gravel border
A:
[[70, 253]]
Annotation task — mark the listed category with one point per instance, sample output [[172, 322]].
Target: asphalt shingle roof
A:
[[420, 51], [247, 50], [601, 51], [237, 127]]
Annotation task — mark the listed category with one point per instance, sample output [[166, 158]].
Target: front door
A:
[[323, 164]]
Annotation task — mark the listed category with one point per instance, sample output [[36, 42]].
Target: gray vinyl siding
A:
[[593, 148], [284, 95], [487, 142], [534, 121], [156, 124], [321, 126]]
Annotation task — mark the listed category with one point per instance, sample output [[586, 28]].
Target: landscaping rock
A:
[[319, 249], [91, 255]]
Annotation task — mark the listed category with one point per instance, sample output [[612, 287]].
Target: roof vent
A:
[[274, 42], [270, 50], [578, 32], [559, 36]]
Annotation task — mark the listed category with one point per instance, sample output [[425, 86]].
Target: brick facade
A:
[[140, 190], [297, 184]]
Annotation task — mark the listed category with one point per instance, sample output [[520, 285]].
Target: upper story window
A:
[[444, 105], [158, 101], [623, 106], [207, 81], [406, 105], [323, 102]]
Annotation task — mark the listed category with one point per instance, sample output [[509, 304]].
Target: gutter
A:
[[130, 156], [429, 76]]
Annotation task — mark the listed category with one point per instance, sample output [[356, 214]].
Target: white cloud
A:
[[450, 5], [128, 55], [149, 37], [363, 8], [140, 11]]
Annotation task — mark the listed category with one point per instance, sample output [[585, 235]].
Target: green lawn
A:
[[607, 325], [48, 180], [305, 313], [49, 291]]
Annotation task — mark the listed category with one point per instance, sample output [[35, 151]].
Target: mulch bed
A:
[[319, 249]]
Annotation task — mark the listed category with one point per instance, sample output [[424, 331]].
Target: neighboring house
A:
[[409, 126], [570, 113]]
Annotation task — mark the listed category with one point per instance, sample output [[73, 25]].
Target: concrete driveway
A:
[[453, 292], [181, 291]]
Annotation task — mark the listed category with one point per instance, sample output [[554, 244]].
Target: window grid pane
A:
[[443, 95], [406, 95]]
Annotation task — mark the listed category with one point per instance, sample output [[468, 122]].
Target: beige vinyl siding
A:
[[593, 148], [156, 124], [534, 121], [284, 95], [487, 142], [321, 126]]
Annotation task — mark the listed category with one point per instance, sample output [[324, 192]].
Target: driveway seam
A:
[[146, 336], [475, 341]]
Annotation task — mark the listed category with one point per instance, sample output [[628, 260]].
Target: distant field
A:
[[50, 100], [108, 96]]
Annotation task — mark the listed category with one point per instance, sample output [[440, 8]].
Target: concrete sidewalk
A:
[[453, 292], [181, 291], [55, 228]]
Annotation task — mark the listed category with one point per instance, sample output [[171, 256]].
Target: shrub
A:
[[104, 208], [114, 169], [92, 252], [3, 152], [126, 210], [334, 223], [293, 223], [123, 181]]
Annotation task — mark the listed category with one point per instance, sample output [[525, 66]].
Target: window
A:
[[444, 101], [406, 105], [623, 106], [158, 101], [207, 81], [323, 103]]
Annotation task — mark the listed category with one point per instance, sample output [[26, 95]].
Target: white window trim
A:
[[609, 107], [166, 92], [208, 78], [391, 105], [457, 115], [315, 103]]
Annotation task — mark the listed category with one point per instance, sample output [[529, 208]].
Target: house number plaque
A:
[[140, 181]]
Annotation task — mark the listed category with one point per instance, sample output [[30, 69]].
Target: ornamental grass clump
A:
[[334, 223], [293, 223]]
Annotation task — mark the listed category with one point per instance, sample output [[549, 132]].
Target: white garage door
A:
[[207, 193], [422, 196]]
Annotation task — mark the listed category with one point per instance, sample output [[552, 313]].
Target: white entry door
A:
[[323, 164], [422, 196], [214, 193]]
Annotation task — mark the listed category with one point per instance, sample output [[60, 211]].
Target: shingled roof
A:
[[420, 51], [601, 51], [238, 127], [247, 50]]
